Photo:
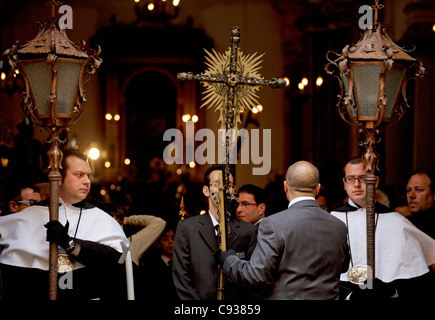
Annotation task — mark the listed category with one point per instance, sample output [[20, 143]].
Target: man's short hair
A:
[[216, 166], [258, 193], [13, 193], [427, 173], [71, 153], [16, 195], [355, 160]]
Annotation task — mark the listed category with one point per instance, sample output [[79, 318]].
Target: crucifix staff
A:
[[231, 82]]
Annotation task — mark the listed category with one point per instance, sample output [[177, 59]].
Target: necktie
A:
[[217, 233], [217, 230]]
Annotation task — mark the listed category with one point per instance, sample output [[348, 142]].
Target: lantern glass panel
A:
[[393, 80], [346, 88], [39, 77], [68, 72], [366, 82]]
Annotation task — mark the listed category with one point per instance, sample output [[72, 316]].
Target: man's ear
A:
[[262, 208], [206, 191], [285, 186], [318, 189], [13, 206]]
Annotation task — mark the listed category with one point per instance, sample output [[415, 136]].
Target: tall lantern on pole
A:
[[373, 76], [53, 70]]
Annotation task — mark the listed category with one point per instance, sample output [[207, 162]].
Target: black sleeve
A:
[[94, 254]]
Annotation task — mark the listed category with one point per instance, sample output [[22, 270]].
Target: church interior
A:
[[134, 97]]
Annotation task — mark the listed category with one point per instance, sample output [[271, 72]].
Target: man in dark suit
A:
[[194, 267], [301, 251]]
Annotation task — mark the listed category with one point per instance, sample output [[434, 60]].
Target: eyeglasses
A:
[[246, 204], [27, 202], [351, 179], [216, 185]]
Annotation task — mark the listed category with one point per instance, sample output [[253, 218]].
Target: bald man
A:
[[301, 251]]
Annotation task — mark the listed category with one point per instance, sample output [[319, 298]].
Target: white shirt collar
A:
[[353, 204], [300, 199], [214, 221]]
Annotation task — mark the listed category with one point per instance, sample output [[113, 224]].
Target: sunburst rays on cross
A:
[[231, 81], [215, 94]]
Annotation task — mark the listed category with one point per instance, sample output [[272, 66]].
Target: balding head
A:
[[302, 179]]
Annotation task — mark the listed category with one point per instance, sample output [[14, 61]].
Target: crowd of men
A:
[[302, 252]]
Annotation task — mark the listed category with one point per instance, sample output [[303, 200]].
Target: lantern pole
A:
[[372, 106], [55, 157], [52, 47]]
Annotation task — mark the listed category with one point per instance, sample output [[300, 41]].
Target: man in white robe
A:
[[90, 237], [404, 255]]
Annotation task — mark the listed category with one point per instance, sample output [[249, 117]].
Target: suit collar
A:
[[207, 231], [304, 203]]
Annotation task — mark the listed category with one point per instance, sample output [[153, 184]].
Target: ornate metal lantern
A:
[[53, 69], [373, 76]]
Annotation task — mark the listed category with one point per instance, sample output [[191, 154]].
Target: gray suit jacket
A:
[[300, 254], [194, 267]]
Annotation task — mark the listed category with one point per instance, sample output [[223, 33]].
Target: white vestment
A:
[[401, 250], [23, 235]]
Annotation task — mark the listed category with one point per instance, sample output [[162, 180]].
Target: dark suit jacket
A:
[[194, 266], [300, 253]]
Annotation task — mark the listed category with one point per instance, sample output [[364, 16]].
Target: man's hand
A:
[[220, 256], [56, 232]]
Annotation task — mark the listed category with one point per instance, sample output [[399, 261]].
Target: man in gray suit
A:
[[194, 267], [301, 251]]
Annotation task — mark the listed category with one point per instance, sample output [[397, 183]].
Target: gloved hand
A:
[[220, 256], [56, 232]]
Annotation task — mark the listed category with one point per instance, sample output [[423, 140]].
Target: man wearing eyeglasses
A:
[[194, 267], [89, 239], [25, 196], [251, 203], [402, 252]]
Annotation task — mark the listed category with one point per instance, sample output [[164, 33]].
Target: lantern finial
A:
[[53, 4], [376, 7]]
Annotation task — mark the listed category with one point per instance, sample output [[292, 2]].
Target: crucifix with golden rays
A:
[[230, 82]]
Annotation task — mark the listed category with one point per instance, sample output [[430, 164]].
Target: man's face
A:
[[247, 209], [212, 191], [77, 184], [28, 195], [355, 190], [419, 194]]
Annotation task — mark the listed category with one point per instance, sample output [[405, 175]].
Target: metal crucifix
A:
[[231, 82]]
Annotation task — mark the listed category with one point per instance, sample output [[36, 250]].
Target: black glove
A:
[[56, 232], [220, 256]]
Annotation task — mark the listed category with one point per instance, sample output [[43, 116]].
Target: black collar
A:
[[379, 208], [82, 204]]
